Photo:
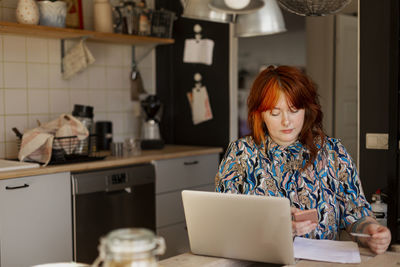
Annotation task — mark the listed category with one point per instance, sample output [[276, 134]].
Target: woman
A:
[[288, 155]]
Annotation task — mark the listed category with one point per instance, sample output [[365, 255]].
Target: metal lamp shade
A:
[[265, 21], [198, 9], [313, 7]]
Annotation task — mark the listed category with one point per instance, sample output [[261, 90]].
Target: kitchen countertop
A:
[[168, 152]]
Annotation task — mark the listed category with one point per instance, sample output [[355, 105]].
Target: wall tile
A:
[[15, 47], [59, 102], [114, 100], [118, 122], [1, 46], [9, 14], [33, 120], [114, 77], [1, 76], [37, 50], [38, 101], [54, 46], [10, 3], [16, 101], [114, 55], [11, 150], [55, 77], [80, 97], [97, 77], [14, 75], [20, 122], [79, 80], [2, 102], [97, 50], [2, 150], [98, 99], [100, 116], [2, 128], [38, 75], [126, 78]]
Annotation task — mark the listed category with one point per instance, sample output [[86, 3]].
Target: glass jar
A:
[[130, 247]]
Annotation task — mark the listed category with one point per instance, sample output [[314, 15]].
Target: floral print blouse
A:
[[331, 184]]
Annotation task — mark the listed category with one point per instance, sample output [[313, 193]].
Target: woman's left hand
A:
[[380, 237]]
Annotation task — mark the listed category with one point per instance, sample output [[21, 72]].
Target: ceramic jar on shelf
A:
[[27, 12], [102, 14]]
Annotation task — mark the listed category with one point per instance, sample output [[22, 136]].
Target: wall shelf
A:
[[67, 33]]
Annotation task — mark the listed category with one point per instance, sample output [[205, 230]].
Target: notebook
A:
[[245, 227]]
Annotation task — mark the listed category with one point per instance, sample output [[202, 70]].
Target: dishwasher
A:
[[109, 199]]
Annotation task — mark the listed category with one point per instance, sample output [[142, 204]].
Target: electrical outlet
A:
[[377, 141]]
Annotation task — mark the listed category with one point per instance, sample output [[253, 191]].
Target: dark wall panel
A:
[[175, 79]]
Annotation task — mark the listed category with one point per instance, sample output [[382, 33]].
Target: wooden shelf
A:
[[67, 33]]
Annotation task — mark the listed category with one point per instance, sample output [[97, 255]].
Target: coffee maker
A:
[[152, 109]]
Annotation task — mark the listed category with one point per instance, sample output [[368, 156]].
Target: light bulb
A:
[[237, 4]]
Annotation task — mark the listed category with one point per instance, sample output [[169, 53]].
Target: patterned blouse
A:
[[331, 184]]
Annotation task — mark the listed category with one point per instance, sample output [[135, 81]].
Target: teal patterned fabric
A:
[[331, 184]]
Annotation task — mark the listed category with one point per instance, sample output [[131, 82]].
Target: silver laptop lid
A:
[[246, 227]]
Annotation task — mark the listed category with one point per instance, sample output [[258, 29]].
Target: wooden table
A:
[[389, 259]]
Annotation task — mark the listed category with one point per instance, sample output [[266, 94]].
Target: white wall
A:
[[286, 48], [32, 88]]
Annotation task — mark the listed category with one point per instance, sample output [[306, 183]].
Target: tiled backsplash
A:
[[32, 88]]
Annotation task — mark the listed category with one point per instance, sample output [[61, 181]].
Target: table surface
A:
[[389, 259]]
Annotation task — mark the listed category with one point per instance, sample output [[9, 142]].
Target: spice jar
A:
[[130, 247]]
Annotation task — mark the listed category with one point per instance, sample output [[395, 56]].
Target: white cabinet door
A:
[[35, 220]]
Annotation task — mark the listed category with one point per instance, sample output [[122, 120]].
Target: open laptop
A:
[[246, 227]]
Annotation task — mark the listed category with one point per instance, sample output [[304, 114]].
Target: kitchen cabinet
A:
[[66, 33], [173, 176], [35, 220]]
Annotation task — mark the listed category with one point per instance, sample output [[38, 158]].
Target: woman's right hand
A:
[[300, 228]]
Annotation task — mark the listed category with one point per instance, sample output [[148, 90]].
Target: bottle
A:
[[102, 14], [379, 208], [144, 19], [130, 247]]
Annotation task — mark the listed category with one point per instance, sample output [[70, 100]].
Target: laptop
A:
[[245, 227]]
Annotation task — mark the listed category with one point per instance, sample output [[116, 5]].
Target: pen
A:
[[360, 234]]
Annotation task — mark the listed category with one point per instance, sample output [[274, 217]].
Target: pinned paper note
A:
[[199, 102], [198, 51]]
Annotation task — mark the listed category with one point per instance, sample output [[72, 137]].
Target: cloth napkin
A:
[[198, 51], [37, 143], [77, 59]]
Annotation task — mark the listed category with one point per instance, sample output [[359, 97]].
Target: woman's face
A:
[[284, 122]]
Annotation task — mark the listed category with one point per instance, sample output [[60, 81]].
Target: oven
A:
[[108, 199]]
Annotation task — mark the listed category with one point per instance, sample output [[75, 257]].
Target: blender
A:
[[152, 109]]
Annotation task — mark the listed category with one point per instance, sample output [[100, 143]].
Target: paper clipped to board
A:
[[326, 250]]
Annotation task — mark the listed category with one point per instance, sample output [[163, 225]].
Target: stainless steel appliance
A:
[[105, 200]]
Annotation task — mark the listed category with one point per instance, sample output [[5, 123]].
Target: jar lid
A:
[[83, 111], [129, 240]]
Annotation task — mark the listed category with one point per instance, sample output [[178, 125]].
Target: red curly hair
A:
[[300, 91]]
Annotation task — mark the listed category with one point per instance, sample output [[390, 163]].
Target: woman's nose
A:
[[285, 120]]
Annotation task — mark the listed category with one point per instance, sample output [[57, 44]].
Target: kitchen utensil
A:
[[117, 149], [136, 79], [17, 133], [85, 115], [152, 108], [104, 135]]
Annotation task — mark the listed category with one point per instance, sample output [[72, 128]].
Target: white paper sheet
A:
[[198, 51], [326, 250]]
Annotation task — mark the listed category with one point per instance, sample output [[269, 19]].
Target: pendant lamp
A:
[[313, 7], [265, 21], [228, 6], [198, 9]]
